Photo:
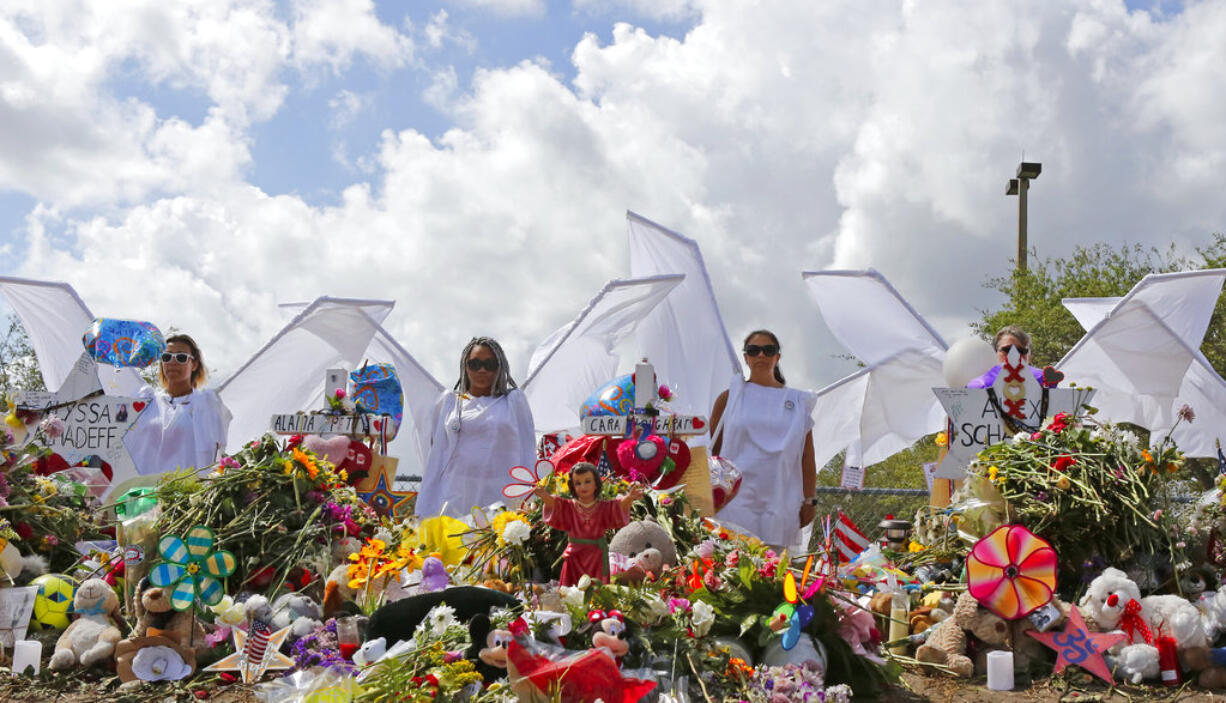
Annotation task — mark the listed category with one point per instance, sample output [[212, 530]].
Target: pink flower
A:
[[340, 393], [733, 558], [229, 462], [53, 427], [675, 604], [665, 393], [706, 549], [1186, 413]]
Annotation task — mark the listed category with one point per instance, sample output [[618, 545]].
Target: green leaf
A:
[[748, 623]]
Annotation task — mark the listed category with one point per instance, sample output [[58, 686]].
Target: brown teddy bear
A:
[[948, 643], [159, 626], [91, 638]]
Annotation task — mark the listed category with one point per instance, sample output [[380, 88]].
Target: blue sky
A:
[[198, 149]]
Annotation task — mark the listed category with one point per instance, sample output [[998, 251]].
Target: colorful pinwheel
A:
[[524, 480], [192, 568], [795, 613], [1012, 572]]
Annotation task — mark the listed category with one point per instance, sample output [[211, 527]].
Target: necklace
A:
[[588, 505]]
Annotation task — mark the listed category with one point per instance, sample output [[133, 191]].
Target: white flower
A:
[[571, 596], [1019, 438], [655, 608], [702, 617], [516, 532], [584, 582], [440, 618]]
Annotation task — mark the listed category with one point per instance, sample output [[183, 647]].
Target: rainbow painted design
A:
[[613, 398], [123, 342], [1012, 571]]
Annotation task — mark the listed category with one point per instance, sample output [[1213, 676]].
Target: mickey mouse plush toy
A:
[[610, 633]]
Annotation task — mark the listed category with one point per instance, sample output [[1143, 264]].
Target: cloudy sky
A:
[[196, 162]]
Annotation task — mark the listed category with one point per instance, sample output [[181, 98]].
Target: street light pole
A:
[[1020, 186]]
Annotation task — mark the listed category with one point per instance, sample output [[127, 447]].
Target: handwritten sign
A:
[[327, 423], [94, 424], [16, 606], [853, 478], [663, 425], [975, 423], [930, 473]]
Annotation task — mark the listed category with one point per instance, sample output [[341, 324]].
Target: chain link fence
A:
[[869, 506]]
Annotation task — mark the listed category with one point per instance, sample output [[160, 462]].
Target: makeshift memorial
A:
[[1011, 572], [91, 638], [1068, 479], [172, 636], [276, 508]]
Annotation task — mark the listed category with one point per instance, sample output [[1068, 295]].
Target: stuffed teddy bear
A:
[[640, 548], [295, 610], [1113, 601], [1209, 665], [91, 638], [172, 639], [947, 644]]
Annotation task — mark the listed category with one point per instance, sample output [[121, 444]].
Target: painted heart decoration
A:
[[1052, 376]]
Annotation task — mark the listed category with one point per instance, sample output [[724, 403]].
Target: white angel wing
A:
[[1143, 356], [287, 374], [55, 319], [580, 356], [684, 337], [869, 316]]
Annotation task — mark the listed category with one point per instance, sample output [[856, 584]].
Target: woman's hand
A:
[[808, 511]]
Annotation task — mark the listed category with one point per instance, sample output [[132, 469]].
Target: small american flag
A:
[[848, 538], [257, 642]]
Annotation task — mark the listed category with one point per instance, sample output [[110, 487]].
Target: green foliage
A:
[[1033, 297], [18, 366]]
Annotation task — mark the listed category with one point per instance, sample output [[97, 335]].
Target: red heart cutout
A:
[[699, 424], [138, 406], [378, 424]]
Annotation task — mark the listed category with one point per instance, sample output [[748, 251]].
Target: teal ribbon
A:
[[604, 553]]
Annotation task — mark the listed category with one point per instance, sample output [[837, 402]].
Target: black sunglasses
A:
[[478, 364], [1020, 350], [756, 349], [178, 357]]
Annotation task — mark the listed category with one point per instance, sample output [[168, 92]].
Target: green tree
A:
[[1033, 297], [18, 365]]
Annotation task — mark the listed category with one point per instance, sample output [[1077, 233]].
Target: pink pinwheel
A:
[[1012, 572], [524, 480]]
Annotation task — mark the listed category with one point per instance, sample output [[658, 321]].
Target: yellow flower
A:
[[992, 473], [915, 547], [302, 458], [1063, 484], [344, 475], [289, 467], [500, 522], [942, 439]]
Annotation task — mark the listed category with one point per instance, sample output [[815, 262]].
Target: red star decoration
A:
[[1077, 645]]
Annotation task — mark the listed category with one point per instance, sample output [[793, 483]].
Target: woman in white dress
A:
[[482, 428], [766, 433], [184, 425]]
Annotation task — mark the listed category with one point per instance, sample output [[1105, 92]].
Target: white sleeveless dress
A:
[[764, 435]]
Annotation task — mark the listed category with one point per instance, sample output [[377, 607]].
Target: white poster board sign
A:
[[94, 424], [663, 425], [930, 473], [976, 423], [16, 606], [853, 478]]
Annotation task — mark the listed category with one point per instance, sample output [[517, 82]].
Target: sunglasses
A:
[[767, 349], [177, 357], [1020, 350], [478, 364]]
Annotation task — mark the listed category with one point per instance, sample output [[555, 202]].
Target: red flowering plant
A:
[[1072, 477]]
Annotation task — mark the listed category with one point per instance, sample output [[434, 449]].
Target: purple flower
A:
[[1186, 413]]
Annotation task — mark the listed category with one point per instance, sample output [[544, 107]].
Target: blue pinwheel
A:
[[192, 569]]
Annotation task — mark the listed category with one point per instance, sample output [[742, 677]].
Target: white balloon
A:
[[967, 359]]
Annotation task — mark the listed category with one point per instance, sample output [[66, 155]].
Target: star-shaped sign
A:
[[1077, 645], [385, 501], [255, 652], [94, 424]]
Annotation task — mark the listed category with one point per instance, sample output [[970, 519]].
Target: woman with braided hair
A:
[[482, 428]]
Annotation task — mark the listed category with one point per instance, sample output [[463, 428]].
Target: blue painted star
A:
[[385, 501]]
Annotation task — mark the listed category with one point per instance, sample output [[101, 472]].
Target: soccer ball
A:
[[54, 600]]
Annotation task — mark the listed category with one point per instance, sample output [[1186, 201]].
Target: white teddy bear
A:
[[1114, 602]]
